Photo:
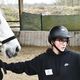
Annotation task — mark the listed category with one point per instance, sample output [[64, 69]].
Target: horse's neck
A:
[[5, 30]]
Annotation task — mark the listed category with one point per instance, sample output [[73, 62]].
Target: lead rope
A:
[[4, 70]]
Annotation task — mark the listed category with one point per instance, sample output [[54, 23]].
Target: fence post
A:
[[20, 2], [41, 22]]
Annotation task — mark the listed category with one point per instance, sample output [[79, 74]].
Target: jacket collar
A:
[[50, 51]]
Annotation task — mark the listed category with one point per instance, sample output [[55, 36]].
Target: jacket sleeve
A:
[[30, 67], [79, 59]]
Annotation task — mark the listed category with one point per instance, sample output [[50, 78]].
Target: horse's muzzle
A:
[[10, 54]]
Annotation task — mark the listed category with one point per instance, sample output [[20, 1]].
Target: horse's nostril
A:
[[8, 53], [17, 49]]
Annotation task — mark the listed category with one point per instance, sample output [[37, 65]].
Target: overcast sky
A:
[[28, 1]]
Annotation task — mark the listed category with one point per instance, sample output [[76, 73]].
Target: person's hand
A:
[[2, 66]]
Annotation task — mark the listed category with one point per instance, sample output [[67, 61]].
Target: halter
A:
[[8, 39], [3, 42]]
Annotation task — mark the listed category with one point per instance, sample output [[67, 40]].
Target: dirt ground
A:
[[25, 54]]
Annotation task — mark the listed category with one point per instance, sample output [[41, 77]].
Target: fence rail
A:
[[40, 38]]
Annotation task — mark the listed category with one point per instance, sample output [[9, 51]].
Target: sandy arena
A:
[[26, 53]]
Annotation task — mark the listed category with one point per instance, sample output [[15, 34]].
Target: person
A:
[[56, 63]]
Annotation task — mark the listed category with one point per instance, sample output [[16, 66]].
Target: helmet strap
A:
[[56, 47]]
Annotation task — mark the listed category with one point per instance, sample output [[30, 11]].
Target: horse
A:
[[10, 44]]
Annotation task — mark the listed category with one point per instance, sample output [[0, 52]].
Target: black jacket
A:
[[49, 66], [1, 74]]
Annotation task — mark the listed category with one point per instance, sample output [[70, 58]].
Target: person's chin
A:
[[62, 50]]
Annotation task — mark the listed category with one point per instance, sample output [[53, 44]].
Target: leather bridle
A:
[[8, 39]]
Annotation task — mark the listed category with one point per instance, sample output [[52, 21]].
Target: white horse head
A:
[[10, 44]]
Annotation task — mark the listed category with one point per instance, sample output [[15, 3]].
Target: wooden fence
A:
[[40, 38]]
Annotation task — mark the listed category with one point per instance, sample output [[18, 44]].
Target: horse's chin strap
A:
[[8, 39]]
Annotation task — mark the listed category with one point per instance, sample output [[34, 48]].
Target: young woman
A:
[[56, 63]]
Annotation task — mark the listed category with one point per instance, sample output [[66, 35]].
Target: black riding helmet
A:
[[58, 31]]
